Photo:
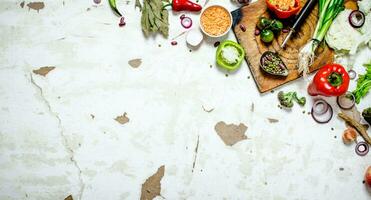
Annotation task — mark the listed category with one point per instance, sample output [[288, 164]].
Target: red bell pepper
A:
[[283, 14], [184, 5], [330, 80]]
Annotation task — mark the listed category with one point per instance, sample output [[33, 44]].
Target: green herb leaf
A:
[[154, 18], [363, 84], [137, 4], [144, 20], [164, 29]]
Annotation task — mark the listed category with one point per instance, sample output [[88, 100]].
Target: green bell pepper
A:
[[229, 55]]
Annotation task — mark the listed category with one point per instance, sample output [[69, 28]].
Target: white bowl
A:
[[223, 34]]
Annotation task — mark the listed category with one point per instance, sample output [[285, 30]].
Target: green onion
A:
[[327, 12], [113, 6]]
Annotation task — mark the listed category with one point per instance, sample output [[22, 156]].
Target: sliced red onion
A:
[[182, 16], [346, 101], [357, 18], [285, 30], [352, 74], [362, 148], [97, 1], [325, 116], [186, 22], [320, 107], [174, 43]]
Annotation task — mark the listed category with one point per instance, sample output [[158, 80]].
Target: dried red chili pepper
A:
[[184, 5], [330, 80]]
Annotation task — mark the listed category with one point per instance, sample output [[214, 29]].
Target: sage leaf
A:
[[138, 5]]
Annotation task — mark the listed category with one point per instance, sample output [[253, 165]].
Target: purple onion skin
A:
[[362, 153], [184, 25], [324, 121], [318, 102], [174, 43], [345, 107], [352, 74], [355, 12]]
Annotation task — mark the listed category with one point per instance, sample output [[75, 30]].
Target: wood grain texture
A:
[[254, 47]]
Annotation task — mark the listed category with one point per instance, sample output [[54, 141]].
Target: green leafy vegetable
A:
[[327, 12], [112, 3], [301, 101], [287, 99], [363, 84], [154, 18]]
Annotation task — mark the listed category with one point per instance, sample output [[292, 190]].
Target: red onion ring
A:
[[352, 74], [362, 148], [342, 101], [356, 18], [186, 22], [320, 110], [325, 117]]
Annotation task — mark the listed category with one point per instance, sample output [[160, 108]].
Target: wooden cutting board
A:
[[254, 47]]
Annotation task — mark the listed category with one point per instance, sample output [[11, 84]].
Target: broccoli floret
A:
[[301, 101], [366, 113], [286, 99]]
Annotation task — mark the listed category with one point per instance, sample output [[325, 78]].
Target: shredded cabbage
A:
[[343, 37]]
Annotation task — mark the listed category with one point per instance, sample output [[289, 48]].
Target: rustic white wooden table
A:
[[58, 135]]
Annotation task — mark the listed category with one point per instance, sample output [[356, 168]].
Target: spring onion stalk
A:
[[327, 12]]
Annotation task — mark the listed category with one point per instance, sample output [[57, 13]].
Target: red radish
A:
[[368, 176]]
